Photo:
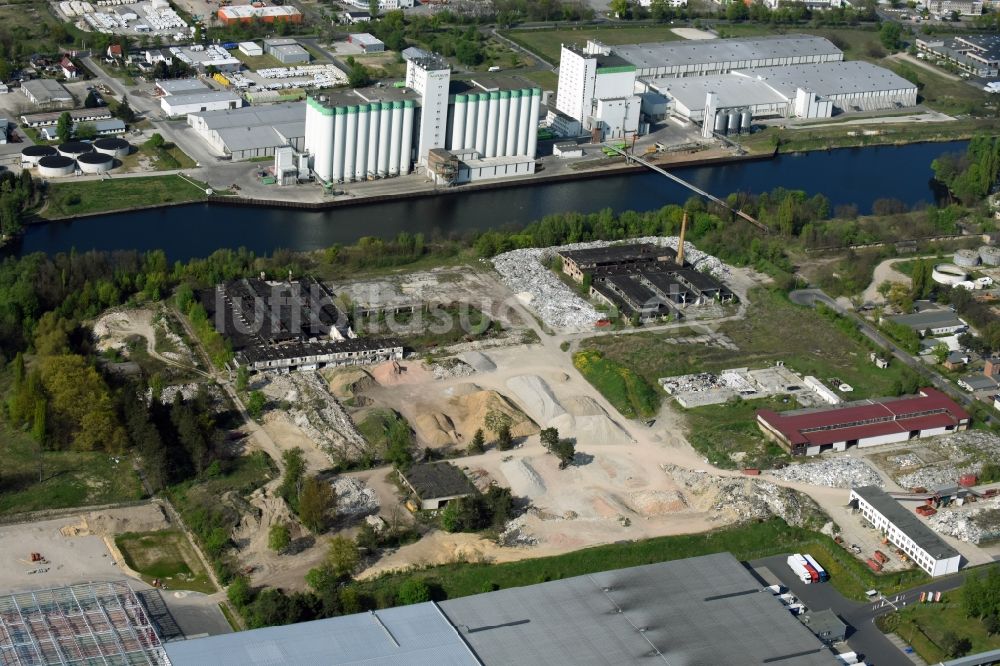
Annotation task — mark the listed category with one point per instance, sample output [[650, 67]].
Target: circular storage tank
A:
[[746, 119], [720, 123], [966, 258], [949, 274], [31, 154], [117, 148], [54, 166], [95, 162], [74, 148], [734, 123], [990, 255]]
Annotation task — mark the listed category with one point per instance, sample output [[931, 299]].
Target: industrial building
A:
[[803, 91], [203, 57], [644, 281], [978, 55], [263, 13], [215, 100], [383, 5], [937, 321], [700, 611], [289, 326], [482, 128], [286, 51], [903, 529], [864, 423], [94, 623], [46, 92], [613, 92], [253, 131], [76, 115], [251, 49], [109, 127], [435, 484], [366, 42]]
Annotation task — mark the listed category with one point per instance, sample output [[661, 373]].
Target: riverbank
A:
[[176, 192]]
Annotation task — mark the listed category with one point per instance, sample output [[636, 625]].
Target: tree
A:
[[478, 443], [373, 8], [620, 8], [954, 645], [992, 625], [941, 352], [155, 142], [255, 404], [495, 420], [124, 110], [91, 102], [64, 127], [239, 592], [279, 537], [565, 450], [291, 482], [550, 438], [317, 504], [86, 131], [242, 378], [504, 439], [341, 557], [367, 538], [414, 591], [890, 34]]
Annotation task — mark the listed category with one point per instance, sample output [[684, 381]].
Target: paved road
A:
[[863, 636]]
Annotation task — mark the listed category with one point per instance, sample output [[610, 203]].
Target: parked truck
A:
[[820, 571], [802, 569]]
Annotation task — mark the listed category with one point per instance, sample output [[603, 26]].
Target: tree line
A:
[[972, 175]]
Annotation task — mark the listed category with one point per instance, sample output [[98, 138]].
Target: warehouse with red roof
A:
[[864, 423]]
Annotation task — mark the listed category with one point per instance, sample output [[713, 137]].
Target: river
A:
[[849, 176]]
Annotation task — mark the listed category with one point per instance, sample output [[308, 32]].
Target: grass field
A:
[[162, 159], [745, 542], [716, 431], [546, 43], [77, 198], [32, 22], [818, 348], [69, 478], [924, 626], [167, 556], [256, 62], [624, 388]]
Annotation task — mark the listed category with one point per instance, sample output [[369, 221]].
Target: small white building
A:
[[905, 530], [181, 105], [251, 49], [367, 42], [567, 150]]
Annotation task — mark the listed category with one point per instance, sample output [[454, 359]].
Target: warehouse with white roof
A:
[[253, 131]]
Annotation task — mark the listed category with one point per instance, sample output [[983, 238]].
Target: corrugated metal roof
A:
[[408, 635], [702, 611], [668, 54], [906, 521]]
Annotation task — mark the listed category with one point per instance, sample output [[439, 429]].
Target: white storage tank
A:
[[95, 162], [734, 123], [31, 154], [746, 119], [948, 274], [990, 255], [56, 166], [406, 148], [117, 148], [396, 138], [361, 157], [74, 149], [458, 124], [966, 258], [720, 123], [374, 118]]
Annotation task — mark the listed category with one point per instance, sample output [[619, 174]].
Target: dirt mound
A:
[[347, 383], [581, 405], [596, 429], [478, 360], [657, 502], [522, 478], [436, 429], [392, 373], [143, 518], [464, 413]]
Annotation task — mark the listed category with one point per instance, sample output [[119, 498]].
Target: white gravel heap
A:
[[840, 472], [514, 534], [972, 525], [354, 498], [558, 306]]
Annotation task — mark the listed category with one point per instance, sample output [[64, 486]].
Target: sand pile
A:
[[347, 383], [537, 397], [465, 411], [392, 373], [657, 502], [478, 360], [522, 478], [593, 429]]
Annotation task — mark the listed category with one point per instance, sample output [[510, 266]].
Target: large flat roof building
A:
[[938, 322], [864, 423], [701, 611], [718, 56], [905, 530], [46, 92], [252, 131]]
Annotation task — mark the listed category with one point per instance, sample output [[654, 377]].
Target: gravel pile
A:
[[514, 534], [354, 498], [972, 525], [558, 306], [961, 453], [835, 473], [450, 368]]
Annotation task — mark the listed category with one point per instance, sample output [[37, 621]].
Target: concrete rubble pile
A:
[[524, 272], [749, 499], [187, 392], [514, 534], [974, 525], [839, 472], [318, 414], [961, 453], [354, 498], [451, 367]]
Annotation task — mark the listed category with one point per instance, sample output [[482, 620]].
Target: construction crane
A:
[[694, 188]]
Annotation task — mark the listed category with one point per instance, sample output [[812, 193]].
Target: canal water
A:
[[848, 176]]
